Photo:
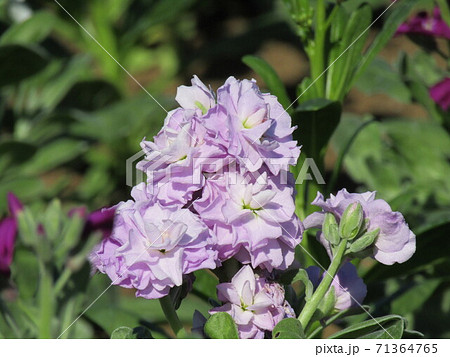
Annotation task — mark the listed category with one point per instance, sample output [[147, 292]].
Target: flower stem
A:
[[311, 306], [318, 64], [171, 315]]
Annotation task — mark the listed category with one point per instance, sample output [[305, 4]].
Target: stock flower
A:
[[253, 218], [152, 246], [426, 24], [8, 233], [254, 304], [395, 243], [174, 161], [440, 93], [188, 165], [349, 289], [254, 127]]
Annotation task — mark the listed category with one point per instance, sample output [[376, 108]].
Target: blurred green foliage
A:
[[70, 117]]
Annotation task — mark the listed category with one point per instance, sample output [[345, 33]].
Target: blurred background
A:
[[70, 117]]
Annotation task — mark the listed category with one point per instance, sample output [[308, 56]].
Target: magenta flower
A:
[[100, 220], [440, 93], [396, 243], [349, 288], [8, 233], [152, 246], [254, 304], [426, 24]]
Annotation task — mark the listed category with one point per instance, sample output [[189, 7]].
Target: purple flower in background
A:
[[100, 220], [254, 304], [349, 288], [152, 246], [8, 232], [426, 24], [440, 93], [395, 243]]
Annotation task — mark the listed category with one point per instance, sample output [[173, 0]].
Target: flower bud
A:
[[330, 229], [351, 221], [365, 241]]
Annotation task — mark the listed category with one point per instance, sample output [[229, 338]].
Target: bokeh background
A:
[[70, 117]]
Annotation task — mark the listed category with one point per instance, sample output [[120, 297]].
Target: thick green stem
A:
[[311, 306], [318, 62], [171, 315]]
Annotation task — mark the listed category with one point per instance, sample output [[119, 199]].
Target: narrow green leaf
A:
[[400, 11], [270, 77], [32, 30], [373, 326]]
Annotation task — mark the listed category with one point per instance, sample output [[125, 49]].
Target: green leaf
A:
[[416, 297], [302, 276], [131, 333], [270, 78], [391, 330], [316, 119], [381, 78], [288, 329], [221, 326], [400, 11], [122, 333], [19, 62], [347, 52], [55, 154], [32, 30], [393, 324], [25, 272]]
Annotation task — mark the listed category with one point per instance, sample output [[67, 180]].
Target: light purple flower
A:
[[440, 93], [152, 246], [396, 243], [175, 159], [254, 127], [349, 288], [254, 304], [426, 24], [8, 233], [197, 96], [254, 219]]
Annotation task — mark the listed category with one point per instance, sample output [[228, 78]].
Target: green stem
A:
[[318, 62], [46, 303], [171, 314], [311, 306]]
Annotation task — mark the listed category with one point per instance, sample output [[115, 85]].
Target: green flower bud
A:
[[330, 229], [351, 221], [365, 241]]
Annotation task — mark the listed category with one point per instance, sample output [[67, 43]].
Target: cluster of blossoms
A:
[[218, 187], [395, 242], [255, 304]]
